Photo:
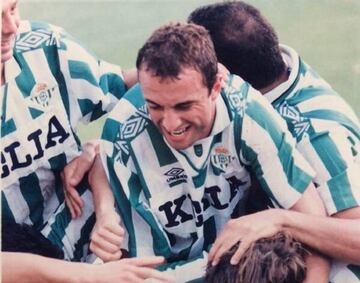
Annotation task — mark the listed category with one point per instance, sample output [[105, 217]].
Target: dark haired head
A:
[[176, 46], [24, 238], [244, 41], [278, 259]]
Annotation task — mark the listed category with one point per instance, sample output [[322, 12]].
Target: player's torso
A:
[[37, 140], [183, 191]]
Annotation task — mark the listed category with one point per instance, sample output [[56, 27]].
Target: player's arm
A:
[[269, 150], [107, 235], [30, 268], [333, 156], [336, 236]]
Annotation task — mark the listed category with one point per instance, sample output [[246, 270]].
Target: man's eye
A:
[[154, 107], [183, 106]]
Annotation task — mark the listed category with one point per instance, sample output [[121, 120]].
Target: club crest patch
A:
[[221, 157], [41, 94]]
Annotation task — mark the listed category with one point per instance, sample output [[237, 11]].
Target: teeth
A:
[[178, 132]]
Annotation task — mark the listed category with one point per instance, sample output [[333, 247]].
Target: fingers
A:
[[106, 244], [243, 246], [104, 255], [75, 210], [151, 261]]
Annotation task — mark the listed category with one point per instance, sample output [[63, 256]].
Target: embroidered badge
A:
[[41, 94], [221, 157]]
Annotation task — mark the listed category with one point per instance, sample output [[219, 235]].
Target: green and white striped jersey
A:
[[51, 84], [174, 203], [327, 132], [326, 129]]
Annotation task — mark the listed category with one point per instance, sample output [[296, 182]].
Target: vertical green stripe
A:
[[114, 84], [163, 152], [339, 184], [123, 205], [6, 213], [110, 130], [297, 178], [199, 179], [25, 80], [81, 70], [81, 246], [7, 127], [160, 244], [209, 229], [135, 96], [52, 57], [61, 222], [355, 269], [31, 191], [257, 170], [58, 162]]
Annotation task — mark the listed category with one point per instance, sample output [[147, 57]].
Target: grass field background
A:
[[326, 33]]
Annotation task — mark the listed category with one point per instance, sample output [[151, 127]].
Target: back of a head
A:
[[244, 41], [175, 46], [26, 239], [278, 259]]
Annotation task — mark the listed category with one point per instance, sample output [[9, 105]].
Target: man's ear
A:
[[217, 86]]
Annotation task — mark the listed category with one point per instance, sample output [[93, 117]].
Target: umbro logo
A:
[[175, 176]]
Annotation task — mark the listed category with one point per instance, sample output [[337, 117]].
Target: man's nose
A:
[[171, 120], [10, 24]]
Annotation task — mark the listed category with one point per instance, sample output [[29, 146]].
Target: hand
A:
[[131, 270], [246, 230], [107, 236], [73, 173]]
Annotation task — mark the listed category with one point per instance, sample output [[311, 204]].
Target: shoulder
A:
[[129, 117], [35, 34]]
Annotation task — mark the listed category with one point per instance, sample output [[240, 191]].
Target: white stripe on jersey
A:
[[270, 167], [142, 231], [327, 102], [72, 231], [15, 201]]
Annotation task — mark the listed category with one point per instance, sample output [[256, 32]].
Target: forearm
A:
[[29, 268], [337, 238], [103, 196], [317, 268]]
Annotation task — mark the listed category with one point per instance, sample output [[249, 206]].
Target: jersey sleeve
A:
[[333, 152], [90, 87], [269, 150]]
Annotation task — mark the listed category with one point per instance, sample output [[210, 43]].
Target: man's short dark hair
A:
[[176, 46], [245, 42], [279, 259], [24, 238]]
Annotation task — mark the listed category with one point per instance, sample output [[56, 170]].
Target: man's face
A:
[[182, 109], [10, 22]]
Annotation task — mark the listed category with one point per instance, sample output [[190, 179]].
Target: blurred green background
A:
[[326, 33]]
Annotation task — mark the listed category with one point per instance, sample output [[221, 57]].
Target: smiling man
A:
[[179, 151]]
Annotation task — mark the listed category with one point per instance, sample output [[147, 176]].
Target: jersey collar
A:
[[291, 59]]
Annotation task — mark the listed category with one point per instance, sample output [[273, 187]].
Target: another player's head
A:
[[244, 41], [9, 25], [279, 259], [24, 238], [178, 75]]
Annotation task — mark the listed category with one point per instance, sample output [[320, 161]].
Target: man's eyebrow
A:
[[150, 101]]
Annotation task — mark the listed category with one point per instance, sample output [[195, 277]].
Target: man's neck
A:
[[281, 79]]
